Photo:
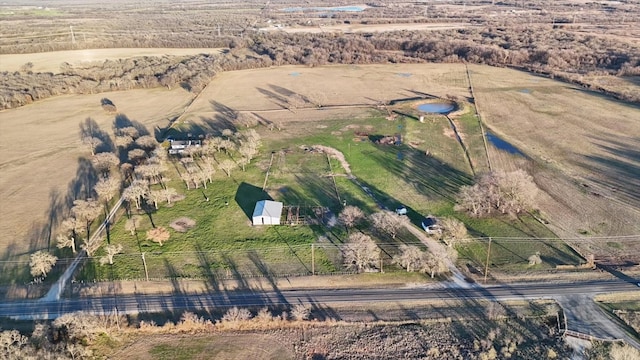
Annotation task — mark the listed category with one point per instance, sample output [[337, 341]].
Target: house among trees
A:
[[180, 146], [267, 212]]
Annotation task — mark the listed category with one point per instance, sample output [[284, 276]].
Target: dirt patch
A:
[[182, 224]]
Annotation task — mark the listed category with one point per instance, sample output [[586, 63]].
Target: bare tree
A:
[[301, 312], [236, 314], [104, 161], [87, 211], [453, 231], [169, 193], [13, 345], [535, 259], [130, 131], [137, 190], [92, 143], [226, 166], [360, 253], [110, 251], [106, 189], [73, 227], [136, 155], [434, 264], [248, 151], [506, 193], [151, 171], [146, 142], [41, 263], [351, 216], [132, 224], [159, 235], [410, 258], [387, 222], [63, 241], [92, 244], [154, 196], [123, 141]]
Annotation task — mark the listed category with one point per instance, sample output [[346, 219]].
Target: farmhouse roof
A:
[[268, 208]]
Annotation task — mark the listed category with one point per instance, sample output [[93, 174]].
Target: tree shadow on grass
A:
[[246, 197]]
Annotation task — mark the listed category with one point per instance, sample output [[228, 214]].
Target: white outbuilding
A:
[[267, 212]]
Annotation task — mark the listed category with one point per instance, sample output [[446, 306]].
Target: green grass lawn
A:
[[223, 243]]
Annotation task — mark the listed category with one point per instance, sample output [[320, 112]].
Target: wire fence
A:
[[318, 258]]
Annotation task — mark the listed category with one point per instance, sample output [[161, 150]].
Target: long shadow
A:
[[90, 128], [619, 172], [246, 197], [275, 98], [263, 270]]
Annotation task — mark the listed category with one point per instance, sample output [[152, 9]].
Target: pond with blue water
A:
[[437, 108]]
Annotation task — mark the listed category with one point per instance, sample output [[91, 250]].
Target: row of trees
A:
[[530, 48]]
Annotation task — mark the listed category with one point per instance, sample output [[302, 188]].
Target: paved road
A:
[[169, 302]]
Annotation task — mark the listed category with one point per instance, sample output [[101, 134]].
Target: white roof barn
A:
[[267, 212]]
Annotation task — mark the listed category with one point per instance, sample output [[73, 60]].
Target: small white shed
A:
[[267, 212]]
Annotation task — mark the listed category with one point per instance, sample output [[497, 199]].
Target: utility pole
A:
[[486, 267], [144, 263], [73, 37], [313, 259]]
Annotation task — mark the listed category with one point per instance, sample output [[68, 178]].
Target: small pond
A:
[[502, 144], [437, 108]]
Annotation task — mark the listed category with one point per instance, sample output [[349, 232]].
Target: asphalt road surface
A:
[[129, 304]]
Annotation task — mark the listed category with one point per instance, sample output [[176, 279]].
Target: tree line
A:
[[557, 53]]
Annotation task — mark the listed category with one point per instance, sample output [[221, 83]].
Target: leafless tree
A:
[[453, 231], [13, 345], [226, 166], [169, 193], [410, 258], [137, 190], [248, 151], [63, 241], [227, 133], [301, 312], [264, 316], [104, 161], [150, 171], [236, 314], [434, 264], [110, 251], [130, 131], [535, 259], [106, 189], [146, 142], [132, 224], [351, 216], [92, 143], [159, 235], [505, 193], [360, 253], [387, 222], [41, 263], [73, 227], [188, 179], [92, 244], [123, 141], [87, 211], [136, 155], [154, 196], [77, 327]]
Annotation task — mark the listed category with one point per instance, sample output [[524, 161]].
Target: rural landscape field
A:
[[465, 155]]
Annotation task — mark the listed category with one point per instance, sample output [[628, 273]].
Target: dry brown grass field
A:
[[42, 151], [584, 149], [50, 61]]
